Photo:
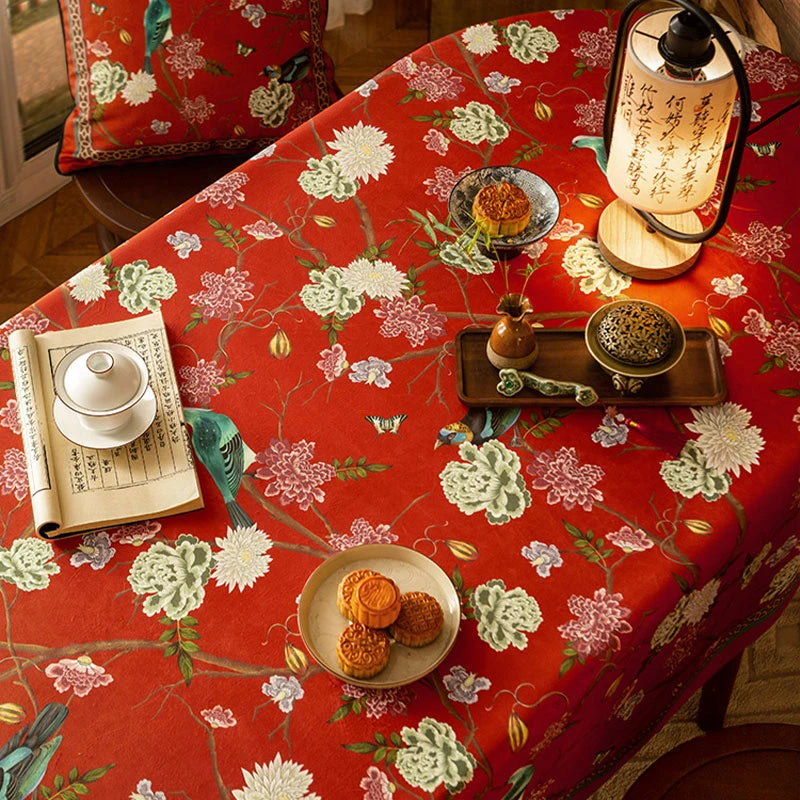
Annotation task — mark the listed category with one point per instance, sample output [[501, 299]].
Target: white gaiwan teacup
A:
[[101, 382]]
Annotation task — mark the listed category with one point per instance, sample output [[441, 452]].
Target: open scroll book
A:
[[75, 489]]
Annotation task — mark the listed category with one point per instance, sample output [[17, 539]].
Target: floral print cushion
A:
[[160, 79]]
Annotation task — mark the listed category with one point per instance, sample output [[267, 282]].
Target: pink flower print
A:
[[436, 82], [218, 717], [361, 532], [756, 325], [408, 316], [201, 382], [183, 55], [377, 785], [136, 533], [14, 473], [596, 49], [568, 482], [769, 66], [98, 48], [405, 66], [223, 294], [761, 243], [226, 191], [598, 621], [78, 674], [333, 362], [590, 116], [630, 540], [441, 185], [9, 416], [197, 110], [21, 322], [378, 702], [261, 229], [435, 140], [565, 229], [785, 343], [291, 475]]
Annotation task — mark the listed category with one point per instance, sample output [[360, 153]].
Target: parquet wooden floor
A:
[[46, 245]]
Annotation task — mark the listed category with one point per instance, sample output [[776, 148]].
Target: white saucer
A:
[[142, 416]]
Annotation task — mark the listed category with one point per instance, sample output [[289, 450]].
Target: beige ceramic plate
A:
[[321, 623]]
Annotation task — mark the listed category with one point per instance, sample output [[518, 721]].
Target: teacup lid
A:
[[101, 378]]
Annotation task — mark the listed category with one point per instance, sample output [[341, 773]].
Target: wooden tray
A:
[[698, 379]]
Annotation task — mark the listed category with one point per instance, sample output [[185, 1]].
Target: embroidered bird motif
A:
[[25, 756], [594, 143], [220, 449], [292, 70], [157, 29], [478, 425]]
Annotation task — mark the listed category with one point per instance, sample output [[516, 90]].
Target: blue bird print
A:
[[596, 144], [157, 29], [25, 756], [292, 70], [478, 425], [220, 449]]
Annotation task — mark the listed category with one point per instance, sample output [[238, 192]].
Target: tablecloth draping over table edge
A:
[[627, 630]]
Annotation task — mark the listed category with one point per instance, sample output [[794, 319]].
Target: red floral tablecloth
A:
[[607, 560]]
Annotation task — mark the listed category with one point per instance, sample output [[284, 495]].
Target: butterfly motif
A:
[[98, 9], [384, 425], [243, 49], [767, 149]]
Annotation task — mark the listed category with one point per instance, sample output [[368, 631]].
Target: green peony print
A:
[[433, 756], [473, 262], [584, 260], [107, 80], [271, 104], [142, 288], [690, 475], [173, 577], [27, 564], [503, 615], [528, 44], [327, 294], [324, 178], [477, 122], [490, 481]]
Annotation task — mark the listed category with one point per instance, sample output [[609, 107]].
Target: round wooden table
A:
[[743, 762]]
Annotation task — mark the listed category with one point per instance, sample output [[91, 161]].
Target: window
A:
[[34, 101]]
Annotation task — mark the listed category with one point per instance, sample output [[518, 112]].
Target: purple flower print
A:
[[291, 475], [78, 674], [95, 550], [569, 482], [598, 621], [408, 316], [463, 686], [283, 691], [612, 430], [372, 370], [542, 556]]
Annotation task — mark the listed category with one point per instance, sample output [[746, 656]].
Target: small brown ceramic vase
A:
[[512, 343]]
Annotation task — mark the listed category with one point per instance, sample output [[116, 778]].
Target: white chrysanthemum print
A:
[[727, 439], [374, 278], [90, 284], [139, 88], [242, 558], [362, 151], [278, 780], [480, 39]]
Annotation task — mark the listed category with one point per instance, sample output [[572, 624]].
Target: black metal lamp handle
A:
[[729, 185]]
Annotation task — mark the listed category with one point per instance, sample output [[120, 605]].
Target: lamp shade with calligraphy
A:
[[669, 133]]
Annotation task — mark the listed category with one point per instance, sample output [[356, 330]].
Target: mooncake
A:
[[501, 209], [420, 620], [345, 590], [362, 652], [375, 601]]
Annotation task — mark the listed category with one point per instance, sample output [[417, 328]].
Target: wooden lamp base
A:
[[630, 246]]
